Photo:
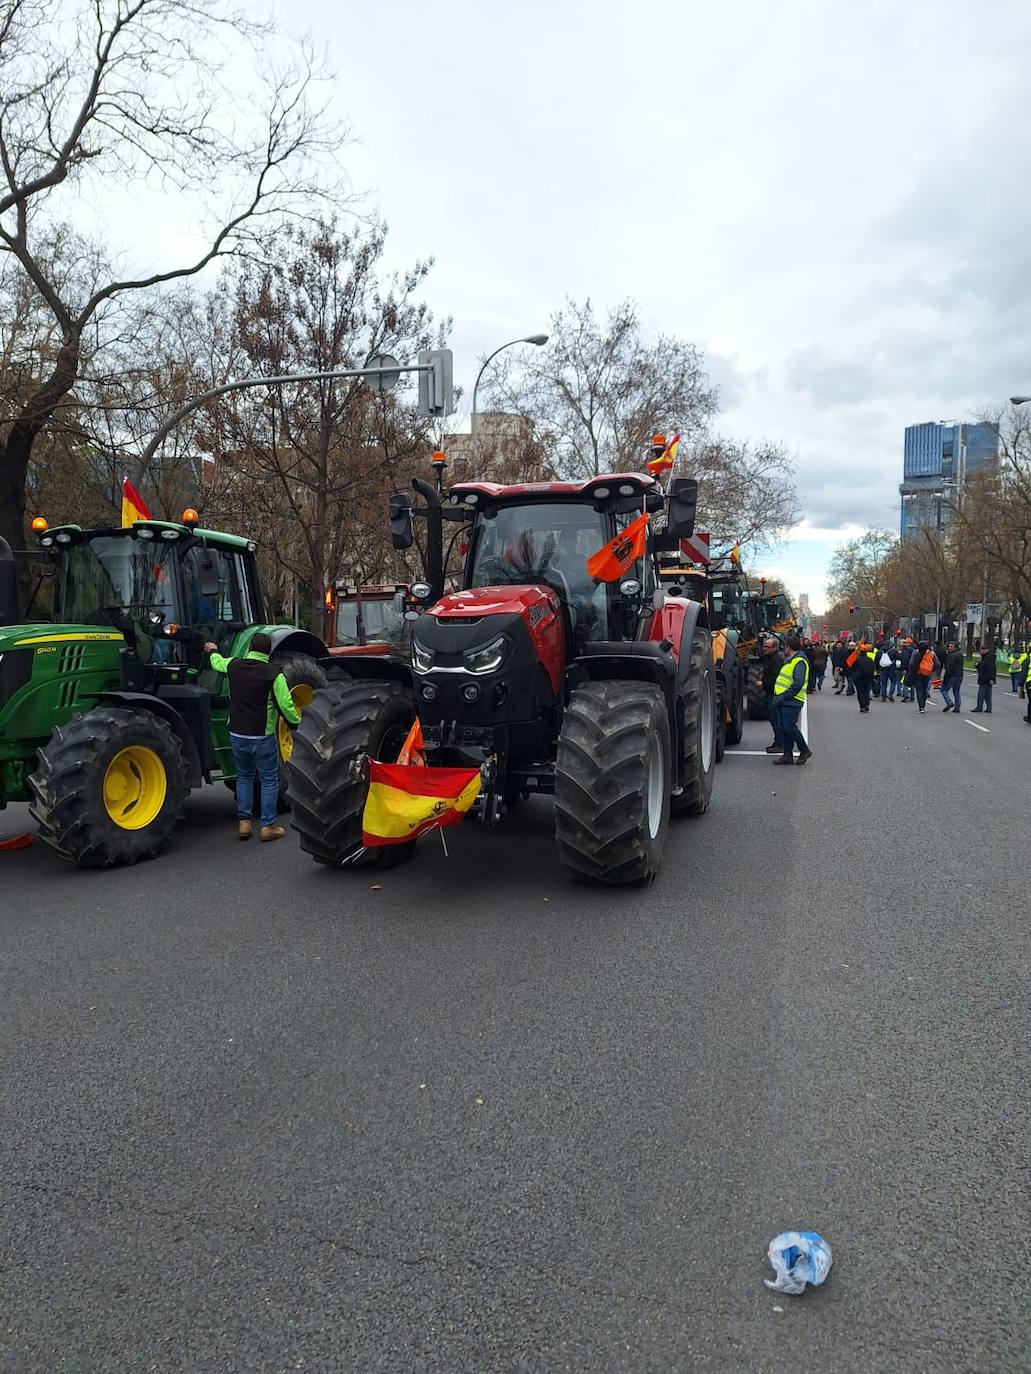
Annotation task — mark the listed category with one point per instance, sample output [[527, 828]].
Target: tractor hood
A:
[[503, 600], [29, 636]]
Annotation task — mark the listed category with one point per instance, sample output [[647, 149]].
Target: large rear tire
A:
[[699, 698], [721, 718], [342, 721], [613, 776], [304, 677], [736, 724], [110, 787]]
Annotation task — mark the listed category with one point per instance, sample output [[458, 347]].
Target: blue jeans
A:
[[259, 756], [774, 714], [953, 686], [790, 733], [1015, 679], [889, 681], [984, 697]]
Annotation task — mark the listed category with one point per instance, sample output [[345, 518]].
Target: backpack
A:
[[926, 664], [886, 660]]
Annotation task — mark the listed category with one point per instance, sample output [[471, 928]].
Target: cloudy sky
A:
[[830, 198]]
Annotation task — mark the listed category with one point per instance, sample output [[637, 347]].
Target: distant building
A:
[[938, 460], [502, 447]]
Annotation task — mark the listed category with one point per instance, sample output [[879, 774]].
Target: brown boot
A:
[[244, 828], [272, 832], [785, 758]]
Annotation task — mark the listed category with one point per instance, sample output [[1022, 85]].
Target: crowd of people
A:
[[886, 669]]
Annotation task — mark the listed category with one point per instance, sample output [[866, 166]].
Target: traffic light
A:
[[851, 608]]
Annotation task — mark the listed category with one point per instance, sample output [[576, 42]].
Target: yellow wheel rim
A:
[[302, 695], [135, 785]]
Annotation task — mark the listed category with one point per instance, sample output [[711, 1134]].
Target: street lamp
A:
[[1019, 400], [536, 339]]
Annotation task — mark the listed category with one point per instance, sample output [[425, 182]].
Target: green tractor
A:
[[109, 714]]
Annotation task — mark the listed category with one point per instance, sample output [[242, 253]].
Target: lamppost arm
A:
[[536, 339]]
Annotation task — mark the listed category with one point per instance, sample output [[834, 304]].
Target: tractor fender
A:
[[675, 623], [286, 639], [143, 701], [641, 660], [367, 667]]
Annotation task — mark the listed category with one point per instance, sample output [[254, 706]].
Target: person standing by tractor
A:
[[789, 698], [258, 696], [772, 662]]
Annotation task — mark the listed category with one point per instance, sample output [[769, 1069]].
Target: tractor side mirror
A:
[[683, 502], [209, 576], [402, 535]]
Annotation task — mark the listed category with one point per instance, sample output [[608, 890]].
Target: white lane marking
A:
[[752, 753], [803, 721], [983, 728]]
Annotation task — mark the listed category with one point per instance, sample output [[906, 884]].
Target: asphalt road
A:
[[259, 1116]]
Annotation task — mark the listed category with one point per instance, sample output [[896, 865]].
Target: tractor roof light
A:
[[439, 459], [63, 538], [170, 535], [39, 525], [144, 534], [251, 546], [190, 517], [47, 542]]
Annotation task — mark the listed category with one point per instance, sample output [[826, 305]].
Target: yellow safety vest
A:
[[1017, 663], [787, 672]]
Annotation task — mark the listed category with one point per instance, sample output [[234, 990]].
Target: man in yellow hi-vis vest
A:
[[1018, 668], [788, 698]]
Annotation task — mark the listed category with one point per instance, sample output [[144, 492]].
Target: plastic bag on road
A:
[[798, 1258]]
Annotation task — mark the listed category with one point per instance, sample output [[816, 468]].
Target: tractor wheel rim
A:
[[708, 732], [301, 696], [655, 780], [135, 786]]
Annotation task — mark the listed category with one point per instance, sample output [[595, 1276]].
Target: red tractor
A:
[[601, 694]]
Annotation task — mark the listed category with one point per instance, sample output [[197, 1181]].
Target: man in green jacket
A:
[[258, 696]]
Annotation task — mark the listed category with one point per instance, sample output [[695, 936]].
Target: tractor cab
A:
[[166, 587]]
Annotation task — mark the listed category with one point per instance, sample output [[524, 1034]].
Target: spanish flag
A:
[[407, 800], [613, 559], [133, 505], [735, 554], [666, 458]]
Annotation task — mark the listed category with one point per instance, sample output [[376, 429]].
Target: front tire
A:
[[736, 724], [344, 720], [613, 776], [110, 787], [698, 695], [755, 697]]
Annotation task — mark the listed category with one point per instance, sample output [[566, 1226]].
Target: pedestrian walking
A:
[[986, 676], [862, 673], [789, 694], [818, 659], [850, 660], [952, 678], [923, 666], [1018, 669], [888, 662], [258, 697], [838, 665], [772, 662]]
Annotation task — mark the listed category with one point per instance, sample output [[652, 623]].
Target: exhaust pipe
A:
[[8, 585], [434, 537]]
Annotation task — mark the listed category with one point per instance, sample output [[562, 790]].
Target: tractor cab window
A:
[[381, 622], [207, 607], [104, 579], [546, 544]]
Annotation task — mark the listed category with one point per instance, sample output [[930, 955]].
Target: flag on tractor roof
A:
[[133, 505], [407, 800], [666, 458], [613, 559], [735, 553]]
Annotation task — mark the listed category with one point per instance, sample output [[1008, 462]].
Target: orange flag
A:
[[614, 558]]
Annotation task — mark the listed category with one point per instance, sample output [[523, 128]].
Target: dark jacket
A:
[[864, 664], [838, 656], [770, 668], [953, 665], [258, 694], [818, 658], [986, 671]]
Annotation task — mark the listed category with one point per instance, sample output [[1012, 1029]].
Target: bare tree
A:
[[599, 389], [137, 95]]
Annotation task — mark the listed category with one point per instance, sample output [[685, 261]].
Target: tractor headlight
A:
[[488, 658], [422, 658]]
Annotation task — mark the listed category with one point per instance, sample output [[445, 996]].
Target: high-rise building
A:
[[938, 460]]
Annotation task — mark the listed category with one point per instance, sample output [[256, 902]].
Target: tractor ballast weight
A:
[[598, 693]]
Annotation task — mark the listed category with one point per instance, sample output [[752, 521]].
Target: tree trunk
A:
[[17, 449]]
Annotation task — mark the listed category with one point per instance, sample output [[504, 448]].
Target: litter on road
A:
[[798, 1258]]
